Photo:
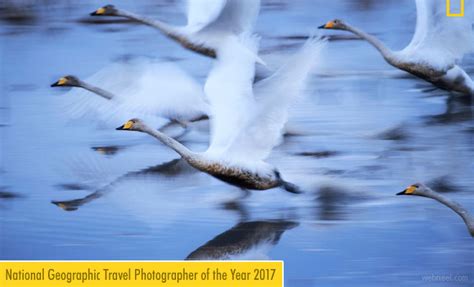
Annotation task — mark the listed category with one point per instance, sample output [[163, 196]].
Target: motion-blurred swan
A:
[[209, 22], [438, 44], [246, 121], [422, 190], [141, 87]]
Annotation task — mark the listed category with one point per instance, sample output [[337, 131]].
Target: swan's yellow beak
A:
[[328, 25], [60, 82], [99, 11], [128, 125], [409, 190]]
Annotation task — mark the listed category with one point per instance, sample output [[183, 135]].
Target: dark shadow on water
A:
[[398, 133], [73, 186], [241, 239], [5, 194], [108, 150], [443, 184], [458, 109], [318, 154], [332, 202]]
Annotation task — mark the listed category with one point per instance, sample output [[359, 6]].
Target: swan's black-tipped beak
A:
[[322, 26], [121, 128], [402, 192], [64, 206], [61, 82]]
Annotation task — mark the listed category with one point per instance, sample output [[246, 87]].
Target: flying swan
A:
[[422, 190], [438, 44], [146, 88], [209, 22], [246, 121]]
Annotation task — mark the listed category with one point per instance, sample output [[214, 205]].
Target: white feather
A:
[[245, 127], [141, 88], [440, 41]]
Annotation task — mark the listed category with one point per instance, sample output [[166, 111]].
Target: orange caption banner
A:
[[141, 273]]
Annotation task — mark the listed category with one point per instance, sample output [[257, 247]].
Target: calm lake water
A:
[[78, 189]]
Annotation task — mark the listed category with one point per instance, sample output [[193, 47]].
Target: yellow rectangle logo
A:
[[448, 9], [141, 273]]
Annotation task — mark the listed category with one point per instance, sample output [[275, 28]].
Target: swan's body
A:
[[244, 127], [150, 89], [244, 240], [438, 44], [422, 190], [209, 21]]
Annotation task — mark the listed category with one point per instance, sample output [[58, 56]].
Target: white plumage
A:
[[247, 120], [440, 41], [141, 87]]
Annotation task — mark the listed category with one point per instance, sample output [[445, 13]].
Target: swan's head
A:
[[107, 10], [132, 125], [415, 189], [67, 81], [335, 24], [65, 205]]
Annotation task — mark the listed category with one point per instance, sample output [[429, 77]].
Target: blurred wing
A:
[[439, 40], [229, 90], [237, 16], [165, 90], [142, 89], [274, 97], [203, 12]]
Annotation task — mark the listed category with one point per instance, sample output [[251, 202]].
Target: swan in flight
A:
[[156, 89], [422, 190], [246, 121], [209, 22], [438, 44]]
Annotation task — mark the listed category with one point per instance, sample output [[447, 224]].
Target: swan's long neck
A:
[[386, 52], [456, 207], [172, 32], [96, 90], [163, 27], [183, 151]]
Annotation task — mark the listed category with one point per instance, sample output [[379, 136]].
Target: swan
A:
[[246, 121], [422, 190], [438, 43], [209, 22], [157, 89]]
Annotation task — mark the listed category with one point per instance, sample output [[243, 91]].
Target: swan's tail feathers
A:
[[290, 187]]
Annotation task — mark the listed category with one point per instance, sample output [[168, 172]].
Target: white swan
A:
[[246, 122], [438, 44], [422, 190], [145, 88], [209, 23]]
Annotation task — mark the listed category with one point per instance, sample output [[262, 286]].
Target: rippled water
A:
[[78, 189]]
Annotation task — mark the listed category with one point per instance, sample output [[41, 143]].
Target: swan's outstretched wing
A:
[[440, 40], [141, 88], [202, 12], [229, 91], [274, 96], [217, 15], [166, 90]]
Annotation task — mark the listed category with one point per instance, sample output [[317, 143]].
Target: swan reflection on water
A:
[[169, 169], [245, 240]]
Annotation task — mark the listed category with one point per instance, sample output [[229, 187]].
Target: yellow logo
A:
[[461, 9]]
